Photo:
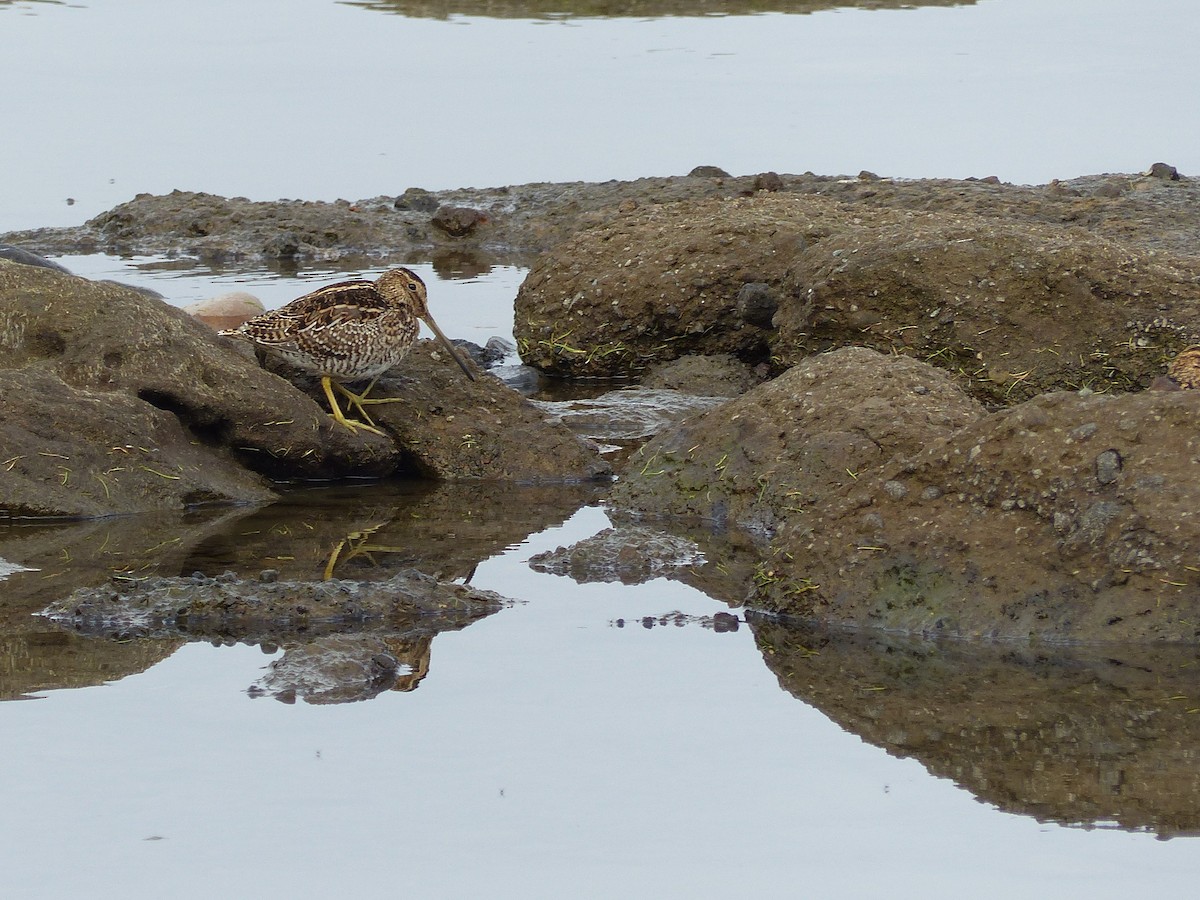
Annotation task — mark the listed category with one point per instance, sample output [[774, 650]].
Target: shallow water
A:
[[586, 741], [548, 751], [472, 305]]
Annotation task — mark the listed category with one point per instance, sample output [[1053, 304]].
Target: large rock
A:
[[73, 452], [787, 444], [1012, 311], [103, 337], [667, 281], [458, 429], [1067, 518], [115, 367], [1144, 212]]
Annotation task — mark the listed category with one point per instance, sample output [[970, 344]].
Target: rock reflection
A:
[[719, 563], [1075, 736], [640, 9], [345, 668], [342, 640], [630, 554], [65, 556], [313, 536]]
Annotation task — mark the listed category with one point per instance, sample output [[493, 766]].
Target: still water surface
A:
[[317, 100], [548, 752]]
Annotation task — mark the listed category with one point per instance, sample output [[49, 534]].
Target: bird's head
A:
[[404, 287]]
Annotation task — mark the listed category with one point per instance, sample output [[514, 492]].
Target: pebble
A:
[[457, 221], [1164, 171], [1108, 466], [227, 310]]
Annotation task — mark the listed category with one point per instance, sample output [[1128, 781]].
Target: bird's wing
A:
[[334, 304]]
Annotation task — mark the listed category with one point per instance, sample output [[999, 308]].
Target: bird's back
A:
[[346, 330]]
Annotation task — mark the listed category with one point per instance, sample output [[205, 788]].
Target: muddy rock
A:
[[1078, 736], [457, 221], [78, 453], [786, 445], [722, 375], [1143, 211], [458, 429], [103, 339], [343, 640], [522, 220], [1071, 517], [664, 282], [1011, 311], [118, 368]]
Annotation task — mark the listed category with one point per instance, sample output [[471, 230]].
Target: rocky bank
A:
[[115, 402], [927, 400]]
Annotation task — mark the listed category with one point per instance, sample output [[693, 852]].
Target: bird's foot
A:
[[356, 400]]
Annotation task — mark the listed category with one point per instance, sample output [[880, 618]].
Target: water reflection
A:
[[637, 9], [63, 557], [372, 531], [367, 532], [1074, 736]]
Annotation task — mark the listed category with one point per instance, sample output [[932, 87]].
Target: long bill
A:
[[449, 346]]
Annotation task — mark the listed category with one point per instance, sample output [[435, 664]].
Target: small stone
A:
[[1184, 369], [724, 622], [1083, 432], [268, 576], [457, 221], [708, 172], [1108, 466], [28, 258], [417, 199], [895, 489], [933, 492], [757, 304], [496, 349], [1163, 171], [226, 310], [768, 181], [385, 662], [864, 175]]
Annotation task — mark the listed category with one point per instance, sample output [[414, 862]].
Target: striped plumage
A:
[[349, 331]]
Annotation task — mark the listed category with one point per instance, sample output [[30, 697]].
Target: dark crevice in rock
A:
[[211, 432]]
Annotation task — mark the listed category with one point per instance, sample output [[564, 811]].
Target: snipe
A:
[[349, 331]]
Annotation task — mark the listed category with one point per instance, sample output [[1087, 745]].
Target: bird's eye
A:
[[412, 285]]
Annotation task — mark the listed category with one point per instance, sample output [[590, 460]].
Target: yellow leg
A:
[[336, 410], [357, 400]]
